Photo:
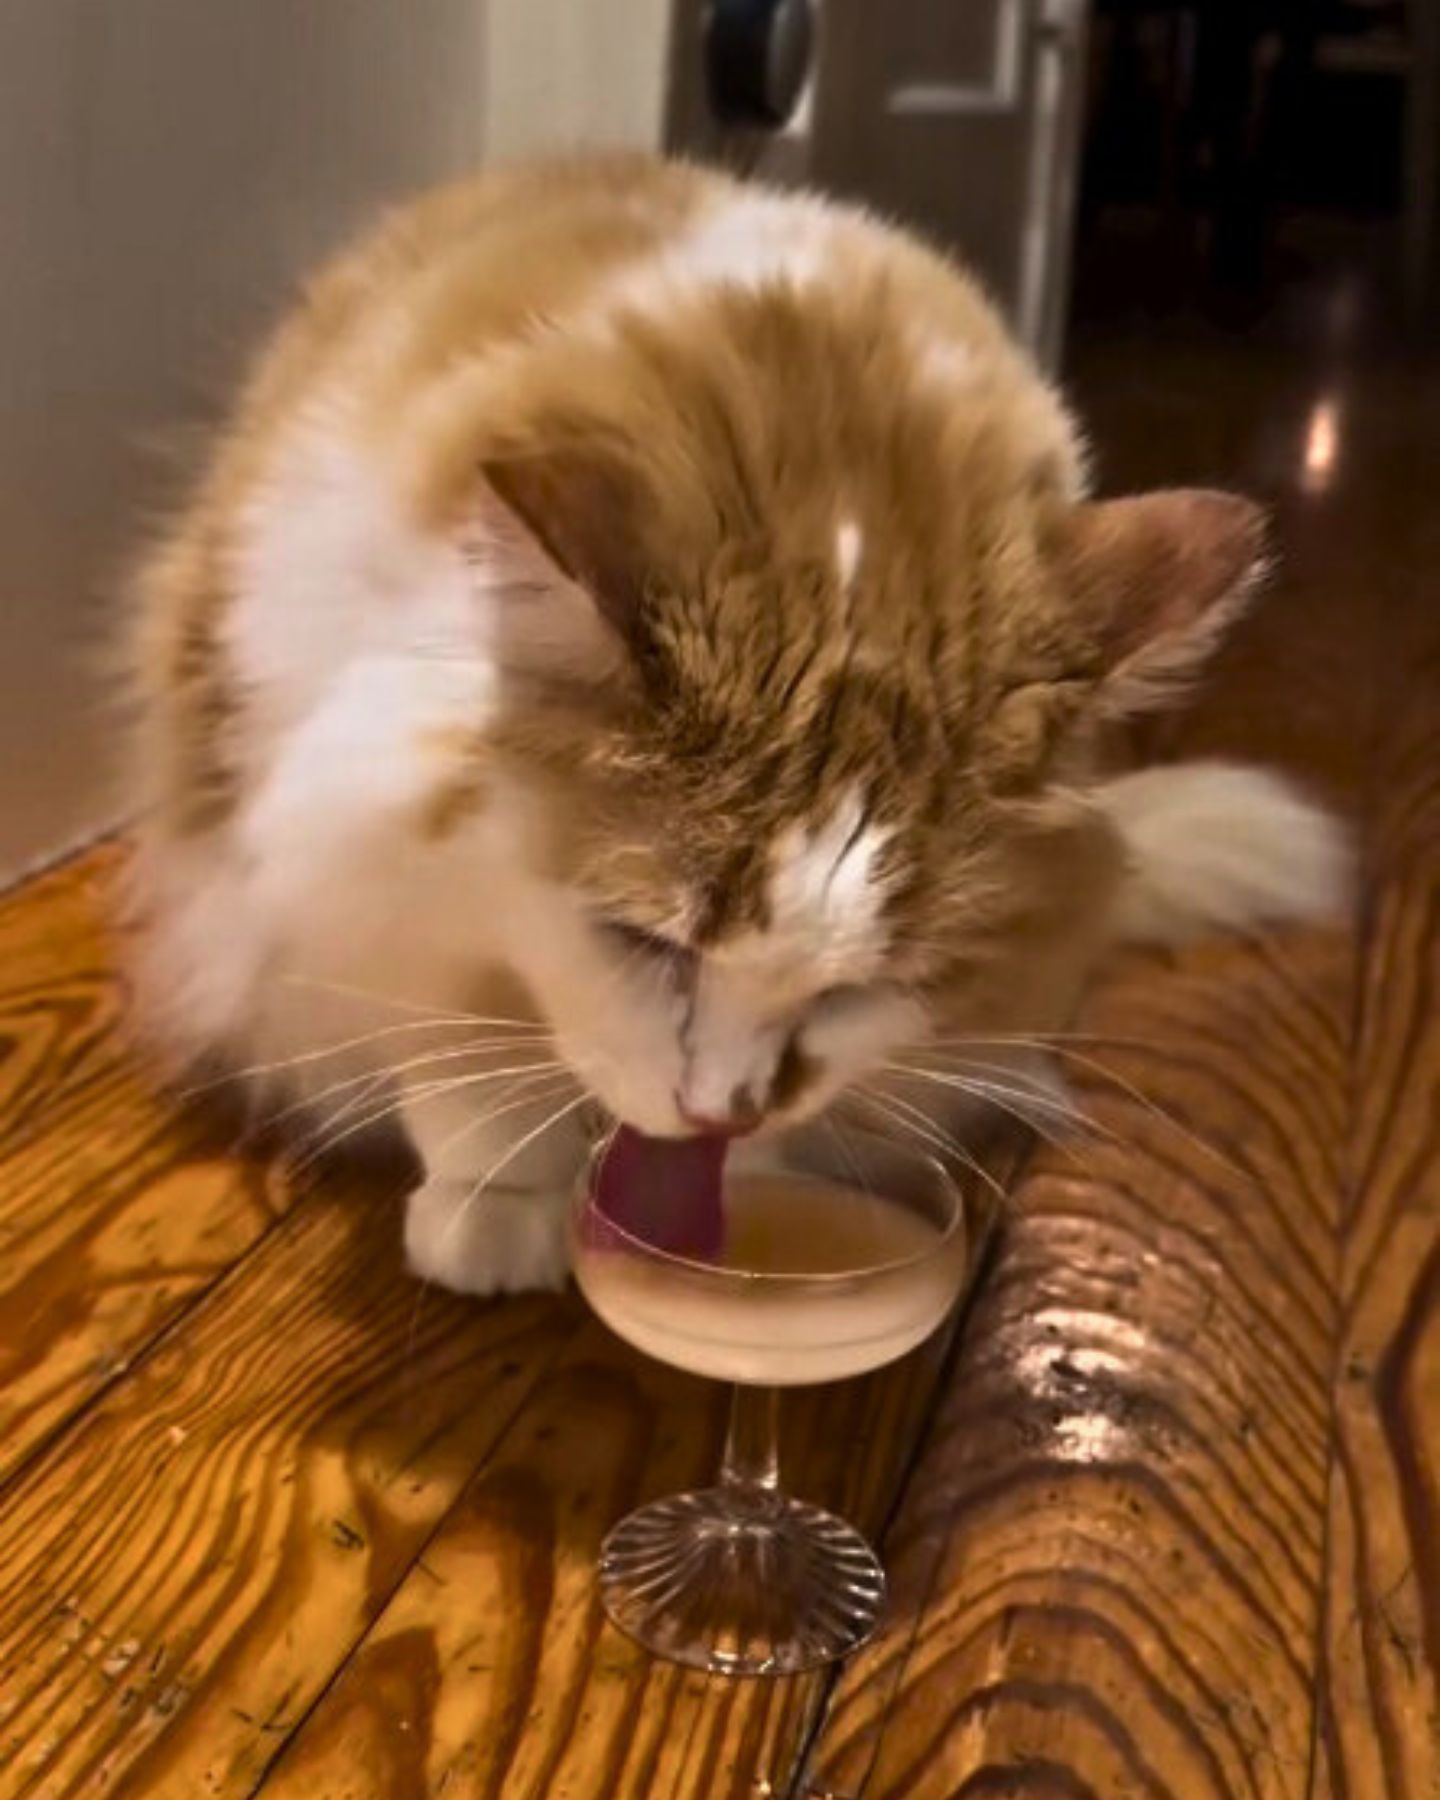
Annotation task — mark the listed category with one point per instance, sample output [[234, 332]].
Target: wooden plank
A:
[[1379, 1728], [1380, 1717], [493, 1671], [181, 1583], [182, 1578], [114, 1212], [182, 1575], [1109, 1563]]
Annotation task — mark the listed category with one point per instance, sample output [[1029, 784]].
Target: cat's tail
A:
[[1213, 847]]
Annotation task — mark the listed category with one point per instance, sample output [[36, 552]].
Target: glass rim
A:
[[956, 1225]]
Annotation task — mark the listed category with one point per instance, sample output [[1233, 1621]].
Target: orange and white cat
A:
[[641, 645]]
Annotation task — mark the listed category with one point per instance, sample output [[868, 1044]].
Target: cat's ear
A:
[[583, 512], [549, 613], [1157, 580]]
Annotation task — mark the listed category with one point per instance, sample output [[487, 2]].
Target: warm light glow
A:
[[1322, 446]]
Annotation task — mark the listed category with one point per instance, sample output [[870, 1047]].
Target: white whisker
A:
[[548, 1074], [844, 1148], [927, 1132], [427, 1059], [280, 1064], [510, 1155], [1011, 1085], [991, 1093], [350, 992], [1044, 1040], [1105, 1073], [1012, 1101], [417, 1091]]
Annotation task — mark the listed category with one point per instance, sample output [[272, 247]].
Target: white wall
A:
[[568, 72], [166, 167]]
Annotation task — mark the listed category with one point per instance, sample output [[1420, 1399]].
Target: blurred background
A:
[[1167, 196]]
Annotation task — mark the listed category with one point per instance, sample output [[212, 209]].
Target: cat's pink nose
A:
[[741, 1119]]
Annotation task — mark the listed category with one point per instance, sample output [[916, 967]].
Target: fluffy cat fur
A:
[[665, 618]]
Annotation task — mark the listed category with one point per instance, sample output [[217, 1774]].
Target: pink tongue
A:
[[665, 1191]]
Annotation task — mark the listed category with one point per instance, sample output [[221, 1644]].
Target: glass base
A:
[[741, 1581]]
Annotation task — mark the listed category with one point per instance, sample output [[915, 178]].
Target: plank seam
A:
[[52, 1441], [1363, 938], [803, 1785]]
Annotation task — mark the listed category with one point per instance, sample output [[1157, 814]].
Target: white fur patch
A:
[[945, 362], [328, 570], [1216, 847], [364, 756], [849, 546], [823, 881], [330, 573], [824, 901], [363, 645], [756, 242]]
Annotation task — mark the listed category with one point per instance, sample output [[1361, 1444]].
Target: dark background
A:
[[1231, 150]]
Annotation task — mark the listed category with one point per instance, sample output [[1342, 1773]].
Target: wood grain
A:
[[114, 1213], [1380, 1668], [1379, 1724], [1109, 1564], [180, 1577]]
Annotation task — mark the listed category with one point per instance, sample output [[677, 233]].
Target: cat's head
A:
[[802, 662]]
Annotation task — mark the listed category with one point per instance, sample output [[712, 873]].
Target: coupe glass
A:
[[838, 1260]]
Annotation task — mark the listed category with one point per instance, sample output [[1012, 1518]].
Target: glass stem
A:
[[752, 1444]]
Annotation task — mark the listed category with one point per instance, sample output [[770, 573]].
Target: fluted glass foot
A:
[[741, 1581]]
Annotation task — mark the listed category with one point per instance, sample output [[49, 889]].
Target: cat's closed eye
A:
[[640, 940]]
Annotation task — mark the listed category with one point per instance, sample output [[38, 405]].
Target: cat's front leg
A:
[[489, 1217]]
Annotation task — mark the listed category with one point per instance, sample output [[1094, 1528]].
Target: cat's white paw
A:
[[499, 1241]]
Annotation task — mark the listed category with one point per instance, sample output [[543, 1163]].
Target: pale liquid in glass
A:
[[858, 1315]]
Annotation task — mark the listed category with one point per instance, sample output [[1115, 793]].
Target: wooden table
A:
[[1167, 1523]]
